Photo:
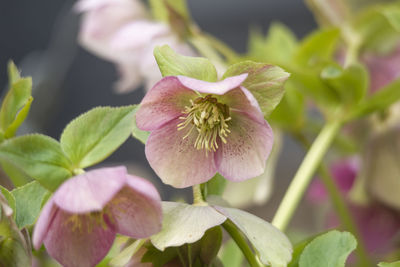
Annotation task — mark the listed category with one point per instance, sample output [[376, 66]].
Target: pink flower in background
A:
[[383, 69], [199, 128], [377, 224], [79, 222], [122, 32]]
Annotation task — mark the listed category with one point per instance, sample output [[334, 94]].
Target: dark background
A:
[[40, 36]]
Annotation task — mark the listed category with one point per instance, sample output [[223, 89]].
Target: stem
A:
[[304, 175], [198, 196], [205, 49], [238, 237]]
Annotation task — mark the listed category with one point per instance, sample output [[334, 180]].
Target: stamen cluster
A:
[[210, 118]]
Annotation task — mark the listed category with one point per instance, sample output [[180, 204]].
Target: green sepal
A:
[[96, 134], [389, 264], [173, 64], [264, 81], [40, 157]]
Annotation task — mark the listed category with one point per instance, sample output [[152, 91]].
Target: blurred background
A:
[[40, 36]]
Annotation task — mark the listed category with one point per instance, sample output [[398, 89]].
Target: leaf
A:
[[389, 264], [271, 245], [317, 48], [13, 73], [94, 135], [123, 258], [159, 258], [210, 245], [173, 64], [137, 133], [277, 48], [16, 175], [230, 255], [16, 105], [40, 157], [185, 223], [350, 83], [28, 202], [215, 186], [380, 100], [265, 82], [9, 197], [393, 16], [328, 250]]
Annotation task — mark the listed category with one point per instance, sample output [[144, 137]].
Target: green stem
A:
[[240, 240], [304, 175], [205, 49], [198, 196]]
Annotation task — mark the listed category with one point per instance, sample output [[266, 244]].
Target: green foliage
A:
[[215, 186], [28, 202], [173, 64], [210, 245], [40, 157], [328, 250], [123, 258], [264, 81], [159, 258], [389, 264], [230, 255], [94, 135], [16, 104]]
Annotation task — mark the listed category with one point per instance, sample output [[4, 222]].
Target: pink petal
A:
[[82, 247], [90, 191], [175, 160], [247, 148], [163, 103], [216, 88], [43, 223], [137, 209], [240, 99]]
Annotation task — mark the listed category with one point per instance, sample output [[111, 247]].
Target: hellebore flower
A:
[[199, 128], [79, 222], [120, 31], [377, 224]]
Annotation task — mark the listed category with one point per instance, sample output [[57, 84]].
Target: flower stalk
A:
[[304, 174]]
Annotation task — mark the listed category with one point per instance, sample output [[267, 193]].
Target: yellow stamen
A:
[[210, 119]]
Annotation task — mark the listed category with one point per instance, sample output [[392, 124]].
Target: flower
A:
[[79, 222], [376, 223], [199, 128], [120, 31]]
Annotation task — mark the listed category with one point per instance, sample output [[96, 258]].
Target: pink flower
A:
[[377, 224], [120, 31], [79, 223], [199, 128], [383, 69]]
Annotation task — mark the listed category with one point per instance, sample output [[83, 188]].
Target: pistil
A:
[[210, 119]]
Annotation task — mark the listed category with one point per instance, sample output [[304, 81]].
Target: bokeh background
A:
[[40, 36]]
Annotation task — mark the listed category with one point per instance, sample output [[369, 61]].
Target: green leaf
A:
[[277, 48], [173, 64], [271, 245], [350, 83], [379, 101], [123, 258], [94, 135], [215, 186], [185, 223], [159, 258], [9, 197], [13, 73], [28, 202], [393, 16], [40, 157], [317, 48], [210, 245], [231, 255], [16, 175], [265, 82], [15, 106], [328, 250], [160, 9], [389, 264]]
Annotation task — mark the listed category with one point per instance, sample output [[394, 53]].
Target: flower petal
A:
[[248, 145], [137, 209], [217, 88], [175, 159], [163, 103], [43, 223], [90, 191], [82, 247]]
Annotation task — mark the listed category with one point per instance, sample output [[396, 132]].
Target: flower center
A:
[[86, 222], [210, 119]]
